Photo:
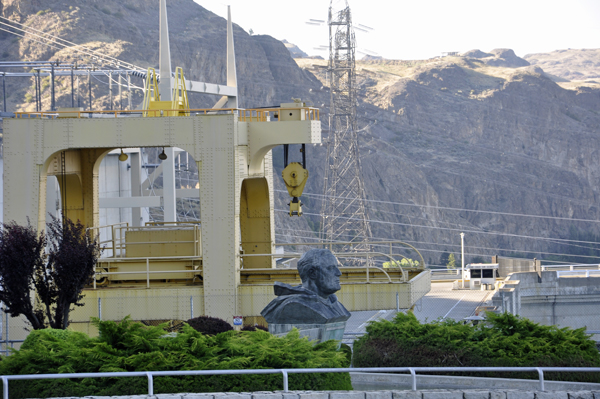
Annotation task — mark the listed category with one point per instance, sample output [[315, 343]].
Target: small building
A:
[[479, 274]]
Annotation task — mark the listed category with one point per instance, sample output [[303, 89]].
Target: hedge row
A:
[[130, 346], [503, 340]]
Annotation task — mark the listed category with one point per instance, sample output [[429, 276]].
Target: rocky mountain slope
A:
[[467, 133], [571, 64], [447, 145]]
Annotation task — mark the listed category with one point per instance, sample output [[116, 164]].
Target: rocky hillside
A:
[[129, 29], [447, 145], [571, 64], [478, 133]]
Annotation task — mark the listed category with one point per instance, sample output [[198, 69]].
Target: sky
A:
[[421, 29]]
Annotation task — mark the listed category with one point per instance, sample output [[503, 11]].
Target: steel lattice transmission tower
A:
[[344, 216]]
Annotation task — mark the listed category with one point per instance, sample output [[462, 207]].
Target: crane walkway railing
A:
[[285, 372], [244, 115]]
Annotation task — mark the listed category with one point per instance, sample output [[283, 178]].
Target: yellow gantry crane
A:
[[225, 266], [153, 106]]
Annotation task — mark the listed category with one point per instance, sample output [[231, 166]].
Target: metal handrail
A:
[[582, 273], [342, 255], [284, 372], [331, 244], [173, 224], [121, 245], [581, 266], [147, 272], [310, 113]]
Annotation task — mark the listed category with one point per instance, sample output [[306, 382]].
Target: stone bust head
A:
[[318, 269]]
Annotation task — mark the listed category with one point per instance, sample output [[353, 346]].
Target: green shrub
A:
[[347, 350], [503, 341], [51, 337], [130, 346]]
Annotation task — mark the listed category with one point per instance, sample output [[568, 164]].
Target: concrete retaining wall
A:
[[425, 394], [371, 381], [550, 300]]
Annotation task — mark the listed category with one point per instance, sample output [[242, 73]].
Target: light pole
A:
[[462, 257]]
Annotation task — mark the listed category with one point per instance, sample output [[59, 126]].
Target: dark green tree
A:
[[57, 279], [21, 257], [451, 264]]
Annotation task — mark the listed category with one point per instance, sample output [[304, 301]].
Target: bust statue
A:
[[313, 302]]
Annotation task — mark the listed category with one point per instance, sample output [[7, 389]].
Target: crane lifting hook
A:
[[295, 176]]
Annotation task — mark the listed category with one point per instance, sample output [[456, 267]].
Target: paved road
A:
[[440, 303], [443, 302]]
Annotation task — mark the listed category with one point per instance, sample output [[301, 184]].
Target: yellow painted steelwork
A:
[[173, 302], [179, 106], [232, 151], [180, 97], [294, 177], [233, 159], [151, 94], [256, 229], [223, 267]]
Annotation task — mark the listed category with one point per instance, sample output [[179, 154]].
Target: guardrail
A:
[[570, 267], [285, 372], [366, 244], [578, 273], [99, 271], [367, 255], [115, 242], [244, 115]]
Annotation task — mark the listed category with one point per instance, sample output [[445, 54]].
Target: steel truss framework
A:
[[343, 213]]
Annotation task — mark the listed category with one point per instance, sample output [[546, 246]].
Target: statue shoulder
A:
[[303, 309]]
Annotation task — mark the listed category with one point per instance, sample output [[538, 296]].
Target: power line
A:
[[459, 209], [470, 247], [465, 231], [75, 47], [23, 36]]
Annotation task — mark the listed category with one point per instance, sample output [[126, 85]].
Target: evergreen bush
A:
[[130, 346], [504, 340]]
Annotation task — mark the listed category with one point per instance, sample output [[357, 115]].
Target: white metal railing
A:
[[445, 272], [110, 244], [285, 372], [122, 231], [570, 267], [578, 273], [387, 244], [115, 245], [367, 255], [99, 271]]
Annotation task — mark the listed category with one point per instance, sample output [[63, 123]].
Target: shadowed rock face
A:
[[474, 132]]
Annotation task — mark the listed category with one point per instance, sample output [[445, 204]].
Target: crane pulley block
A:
[[294, 177]]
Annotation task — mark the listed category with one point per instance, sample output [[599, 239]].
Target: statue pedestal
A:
[[314, 332]]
